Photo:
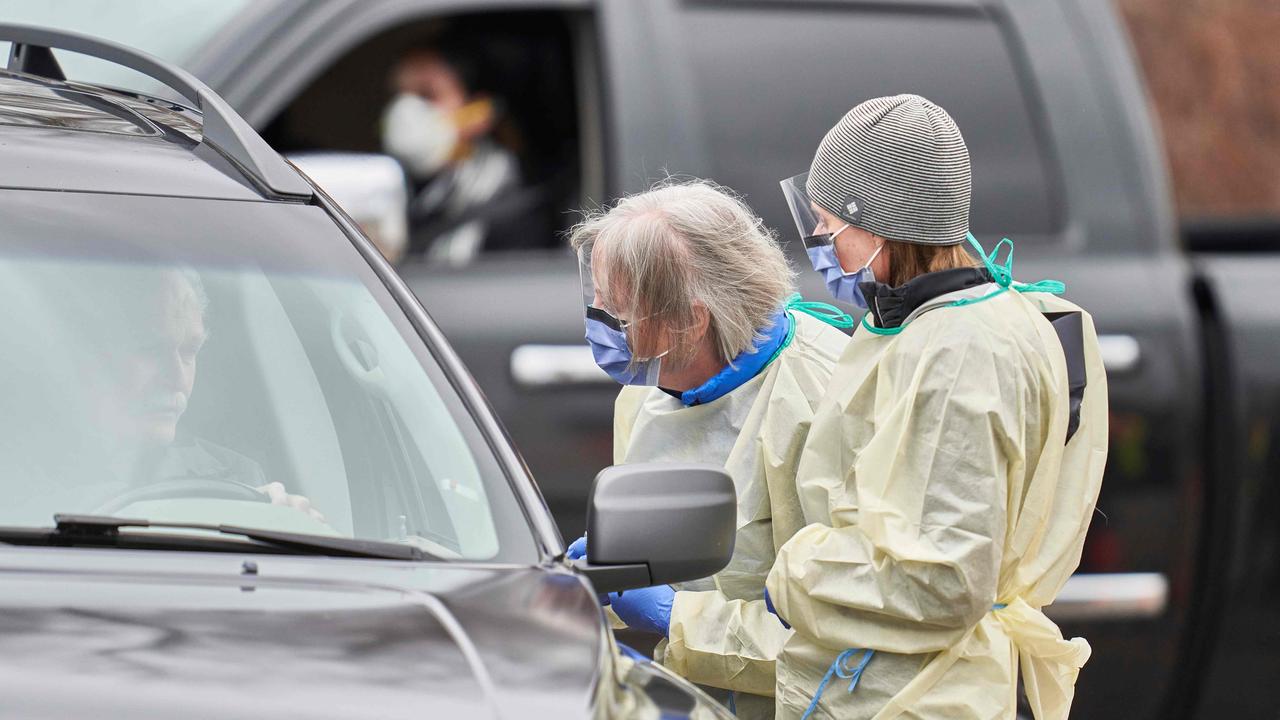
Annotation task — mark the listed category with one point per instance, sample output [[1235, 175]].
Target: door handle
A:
[[1111, 597], [544, 366], [1121, 354]]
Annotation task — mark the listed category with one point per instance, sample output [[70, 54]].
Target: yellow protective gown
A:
[[721, 635], [936, 487]]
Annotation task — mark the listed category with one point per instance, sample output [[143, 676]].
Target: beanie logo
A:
[[853, 207]]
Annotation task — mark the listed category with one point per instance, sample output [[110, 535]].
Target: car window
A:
[[775, 79], [228, 362], [173, 30], [482, 112]]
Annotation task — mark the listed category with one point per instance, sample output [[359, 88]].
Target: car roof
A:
[[67, 136]]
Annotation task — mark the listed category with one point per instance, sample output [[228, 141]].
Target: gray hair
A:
[[193, 279], [685, 245]]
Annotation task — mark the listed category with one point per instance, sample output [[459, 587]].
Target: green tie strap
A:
[[1001, 274], [829, 314]]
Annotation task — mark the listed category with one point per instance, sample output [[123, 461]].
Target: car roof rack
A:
[[31, 53]]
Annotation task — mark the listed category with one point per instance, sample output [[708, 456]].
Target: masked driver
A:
[[441, 125]]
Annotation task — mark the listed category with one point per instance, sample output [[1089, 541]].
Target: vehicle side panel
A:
[[1241, 614]]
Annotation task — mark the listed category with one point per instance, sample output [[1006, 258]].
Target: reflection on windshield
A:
[[131, 336], [154, 381], [141, 331], [149, 331]]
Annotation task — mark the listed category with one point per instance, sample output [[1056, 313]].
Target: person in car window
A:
[[442, 125], [150, 329], [690, 305]]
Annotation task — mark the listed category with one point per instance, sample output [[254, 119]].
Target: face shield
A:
[[609, 336], [819, 240], [585, 276], [819, 244], [809, 224]]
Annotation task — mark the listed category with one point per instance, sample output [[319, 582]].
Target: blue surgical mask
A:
[[608, 340], [843, 286]]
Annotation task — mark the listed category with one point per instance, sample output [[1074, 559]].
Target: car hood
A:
[[117, 634]]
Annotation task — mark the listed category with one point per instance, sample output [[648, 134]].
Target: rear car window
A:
[[774, 79]]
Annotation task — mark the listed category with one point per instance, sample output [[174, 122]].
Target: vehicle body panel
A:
[[155, 634], [1239, 614]]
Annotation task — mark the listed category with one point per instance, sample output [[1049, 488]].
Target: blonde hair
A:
[[910, 260], [681, 246]]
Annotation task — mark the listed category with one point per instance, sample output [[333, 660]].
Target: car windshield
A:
[[220, 362], [173, 30]]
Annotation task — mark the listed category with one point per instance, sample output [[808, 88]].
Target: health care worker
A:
[[951, 471], [690, 306]]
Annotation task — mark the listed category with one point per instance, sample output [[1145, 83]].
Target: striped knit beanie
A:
[[896, 167]]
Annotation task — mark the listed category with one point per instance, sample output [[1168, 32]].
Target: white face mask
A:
[[419, 134]]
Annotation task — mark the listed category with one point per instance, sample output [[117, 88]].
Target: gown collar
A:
[[747, 365], [891, 306]]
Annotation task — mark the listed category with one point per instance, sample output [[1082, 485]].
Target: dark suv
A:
[[244, 475]]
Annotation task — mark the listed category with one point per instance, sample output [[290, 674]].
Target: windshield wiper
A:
[[90, 530]]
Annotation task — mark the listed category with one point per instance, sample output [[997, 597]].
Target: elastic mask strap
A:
[[865, 265], [829, 314], [659, 356], [873, 257]]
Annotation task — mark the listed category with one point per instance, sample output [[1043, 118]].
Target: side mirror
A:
[[371, 188], [656, 523]]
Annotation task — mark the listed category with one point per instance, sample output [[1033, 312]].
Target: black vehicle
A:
[[1175, 583], [325, 520]]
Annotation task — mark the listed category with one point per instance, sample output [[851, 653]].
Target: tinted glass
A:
[[228, 362], [771, 81]]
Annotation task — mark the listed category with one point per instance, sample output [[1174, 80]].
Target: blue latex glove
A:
[[768, 603], [578, 549], [647, 609]]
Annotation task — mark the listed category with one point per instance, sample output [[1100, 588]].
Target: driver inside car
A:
[[155, 323]]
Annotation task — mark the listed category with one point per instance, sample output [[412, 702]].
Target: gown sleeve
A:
[[911, 557], [729, 644]]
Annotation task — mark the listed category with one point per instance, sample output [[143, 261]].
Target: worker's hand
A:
[[279, 496], [578, 549], [647, 609]]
